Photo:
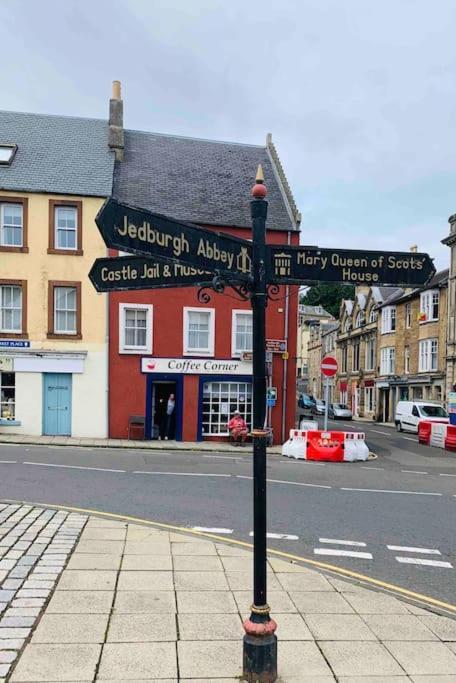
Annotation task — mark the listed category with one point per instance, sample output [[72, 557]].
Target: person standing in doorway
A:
[[170, 408]]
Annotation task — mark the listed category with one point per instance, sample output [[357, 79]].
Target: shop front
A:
[[194, 398]]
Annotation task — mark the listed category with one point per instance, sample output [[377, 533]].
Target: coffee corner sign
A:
[[171, 253], [196, 366]]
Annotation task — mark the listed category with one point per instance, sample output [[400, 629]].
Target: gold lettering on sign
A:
[[212, 252], [147, 233]]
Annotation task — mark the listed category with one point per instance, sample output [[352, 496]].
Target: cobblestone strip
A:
[[35, 544]]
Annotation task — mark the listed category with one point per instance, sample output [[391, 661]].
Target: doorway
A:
[[57, 404], [164, 421]]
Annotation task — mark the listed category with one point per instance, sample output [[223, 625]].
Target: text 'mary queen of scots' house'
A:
[[167, 342]]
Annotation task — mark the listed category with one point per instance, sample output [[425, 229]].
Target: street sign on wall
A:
[[276, 345], [328, 366], [144, 233], [138, 272], [301, 265]]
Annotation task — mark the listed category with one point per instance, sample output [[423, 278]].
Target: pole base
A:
[[260, 659]]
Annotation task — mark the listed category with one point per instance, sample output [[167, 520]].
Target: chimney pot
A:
[[116, 92], [414, 248]]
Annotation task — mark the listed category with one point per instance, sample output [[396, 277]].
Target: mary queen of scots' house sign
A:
[[196, 366]]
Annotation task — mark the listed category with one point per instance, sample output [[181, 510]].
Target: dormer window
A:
[[7, 153]]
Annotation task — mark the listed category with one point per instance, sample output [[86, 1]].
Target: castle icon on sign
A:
[[243, 261], [282, 264]]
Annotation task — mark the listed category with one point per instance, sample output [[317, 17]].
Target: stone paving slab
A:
[[92, 599]]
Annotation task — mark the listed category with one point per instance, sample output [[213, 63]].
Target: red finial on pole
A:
[[259, 190]]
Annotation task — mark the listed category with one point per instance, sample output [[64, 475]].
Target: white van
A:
[[409, 414]]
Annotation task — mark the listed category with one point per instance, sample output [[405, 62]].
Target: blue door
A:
[[57, 404]]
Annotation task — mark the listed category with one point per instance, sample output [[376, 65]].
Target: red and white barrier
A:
[[315, 444], [437, 434]]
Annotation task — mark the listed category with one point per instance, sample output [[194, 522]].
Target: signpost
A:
[[328, 368], [306, 265], [173, 253]]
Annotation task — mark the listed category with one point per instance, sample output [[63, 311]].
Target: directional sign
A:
[[328, 366], [149, 234], [301, 265], [136, 272]]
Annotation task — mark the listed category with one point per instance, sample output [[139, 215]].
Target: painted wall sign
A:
[[276, 345], [14, 343], [300, 265], [196, 366], [6, 364], [138, 272], [145, 233]]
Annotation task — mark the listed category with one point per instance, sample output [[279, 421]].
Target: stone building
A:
[[450, 241], [322, 342], [307, 317], [357, 349], [412, 352]]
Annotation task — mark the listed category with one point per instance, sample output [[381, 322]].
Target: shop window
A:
[[64, 309], [428, 355], [13, 224], [387, 358], [429, 306], [369, 399], [220, 400], [388, 319], [7, 395], [199, 331], [65, 227], [135, 328], [13, 308], [241, 332]]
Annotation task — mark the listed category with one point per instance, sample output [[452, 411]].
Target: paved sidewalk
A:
[[209, 446], [135, 603]]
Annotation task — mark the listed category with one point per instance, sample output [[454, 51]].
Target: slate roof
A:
[[440, 279], [329, 327], [307, 309], [57, 154], [201, 181]]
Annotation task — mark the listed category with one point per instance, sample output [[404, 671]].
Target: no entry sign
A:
[[328, 366]]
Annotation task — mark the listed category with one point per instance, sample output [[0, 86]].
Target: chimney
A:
[[116, 132], [414, 248]]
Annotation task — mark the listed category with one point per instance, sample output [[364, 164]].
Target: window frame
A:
[[356, 355], [11, 386], [370, 342], [425, 355], [369, 392], [23, 333], [406, 360], [51, 333], [132, 350], [24, 202], [234, 314], [187, 351], [52, 248], [245, 407], [360, 319], [427, 304], [408, 315], [388, 359], [387, 319], [373, 315]]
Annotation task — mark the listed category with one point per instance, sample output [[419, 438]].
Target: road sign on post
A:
[[137, 272], [328, 368], [149, 234], [304, 265]]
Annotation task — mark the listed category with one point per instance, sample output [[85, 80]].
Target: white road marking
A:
[[409, 438], [297, 483], [369, 467], [447, 475], [72, 467], [212, 530], [337, 541], [426, 563], [377, 431], [8, 462], [223, 457], [414, 472], [410, 493], [183, 474], [406, 549], [347, 425], [343, 553], [286, 537]]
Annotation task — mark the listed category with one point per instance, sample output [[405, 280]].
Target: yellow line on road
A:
[[424, 599]]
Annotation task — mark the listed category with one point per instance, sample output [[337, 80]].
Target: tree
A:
[[328, 296]]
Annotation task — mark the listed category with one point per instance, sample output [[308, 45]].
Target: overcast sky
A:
[[360, 96]]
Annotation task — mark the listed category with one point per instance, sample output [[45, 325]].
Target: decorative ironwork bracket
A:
[[219, 285], [272, 291]]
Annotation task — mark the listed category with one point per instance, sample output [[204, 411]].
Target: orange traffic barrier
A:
[[424, 432]]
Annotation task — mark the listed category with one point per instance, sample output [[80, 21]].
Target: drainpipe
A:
[[285, 362]]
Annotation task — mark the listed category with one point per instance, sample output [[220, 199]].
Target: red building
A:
[[164, 342]]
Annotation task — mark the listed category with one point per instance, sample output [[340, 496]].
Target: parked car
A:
[[339, 411], [319, 407], [306, 401], [409, 413]]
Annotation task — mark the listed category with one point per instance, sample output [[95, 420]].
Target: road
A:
[[393, 518]]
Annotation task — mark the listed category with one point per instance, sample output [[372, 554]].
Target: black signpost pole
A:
[[260, 642]]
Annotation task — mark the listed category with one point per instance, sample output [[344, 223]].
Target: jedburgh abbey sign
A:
[[196, 366]]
